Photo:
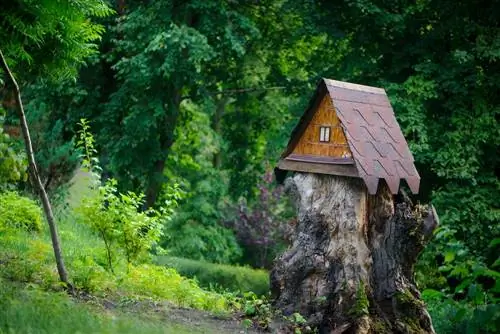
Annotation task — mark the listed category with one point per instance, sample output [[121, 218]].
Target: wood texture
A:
[[309, 143], [322, 168], [352, 86], [349, 268]]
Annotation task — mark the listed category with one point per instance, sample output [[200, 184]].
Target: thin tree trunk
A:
[[37, 182], [168, 123], [350, 266]]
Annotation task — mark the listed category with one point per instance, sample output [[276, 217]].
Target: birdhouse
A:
[[350, 130]]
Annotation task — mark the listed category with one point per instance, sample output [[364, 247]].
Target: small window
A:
[[324, 134]]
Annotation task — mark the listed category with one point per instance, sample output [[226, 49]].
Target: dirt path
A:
[[187, 320]]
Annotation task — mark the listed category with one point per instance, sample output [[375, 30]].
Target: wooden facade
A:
[[324, 136]]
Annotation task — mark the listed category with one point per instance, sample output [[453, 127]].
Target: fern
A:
[[50, 37]]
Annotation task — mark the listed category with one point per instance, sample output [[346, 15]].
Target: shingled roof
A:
[[379, 149]]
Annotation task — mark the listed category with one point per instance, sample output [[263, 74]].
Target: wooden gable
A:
[[333, 143]]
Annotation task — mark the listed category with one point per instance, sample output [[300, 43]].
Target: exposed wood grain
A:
[[322, 168], [349, 268]]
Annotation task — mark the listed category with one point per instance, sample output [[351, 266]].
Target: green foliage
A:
[[12, 161], [118, 218], [362, 304], [259, 314], [159, 282], [86, 143], [450, 316], [196, 231], [459, 276], [19, 212], [27, 257], [204, 92], [49, 37], [220, 277], [298, 324], [258, 309]]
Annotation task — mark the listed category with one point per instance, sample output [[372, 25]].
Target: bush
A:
[[450, 316], [118, 220], [220, 276], [195, 231], [166, 283], [19, 212], [263, 226]]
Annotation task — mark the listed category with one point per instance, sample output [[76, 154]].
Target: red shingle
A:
[[376, 141]]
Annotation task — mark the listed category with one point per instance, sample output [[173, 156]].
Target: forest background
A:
[[201, 96]]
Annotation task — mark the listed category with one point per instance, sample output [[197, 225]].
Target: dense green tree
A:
[[439, 62]]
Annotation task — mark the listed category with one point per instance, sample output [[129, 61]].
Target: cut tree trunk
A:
[[35, 176], [350, 266]]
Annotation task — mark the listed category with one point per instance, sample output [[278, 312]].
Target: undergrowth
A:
[[32, 310], [27, 257], [220, 277]]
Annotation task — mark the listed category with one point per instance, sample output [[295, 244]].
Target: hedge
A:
[[19, 212], [220, 276]]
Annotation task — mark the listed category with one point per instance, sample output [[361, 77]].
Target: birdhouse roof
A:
[[377, 145]]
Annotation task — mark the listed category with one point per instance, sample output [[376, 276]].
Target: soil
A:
[[195, 321]]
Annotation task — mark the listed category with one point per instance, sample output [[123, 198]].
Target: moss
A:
[[379, 326], [362, 303], [407, 301], [408, 306]]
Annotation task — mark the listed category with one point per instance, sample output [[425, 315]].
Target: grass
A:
[[30, 310], [219, 276], [33, 301]]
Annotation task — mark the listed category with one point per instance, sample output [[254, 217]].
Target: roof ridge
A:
[[352, 86]]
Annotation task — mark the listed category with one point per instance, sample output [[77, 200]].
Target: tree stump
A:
[[350, 266]]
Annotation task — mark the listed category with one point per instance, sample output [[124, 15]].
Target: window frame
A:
[[325, 134]]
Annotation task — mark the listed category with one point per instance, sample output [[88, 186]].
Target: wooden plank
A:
[[320, 159], [320, 168], [352, 86], [309, 142]]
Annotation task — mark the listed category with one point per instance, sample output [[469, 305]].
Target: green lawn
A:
[[30, 310]]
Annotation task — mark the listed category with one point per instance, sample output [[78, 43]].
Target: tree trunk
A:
[[33, 171], [350, 266], [217, 127]]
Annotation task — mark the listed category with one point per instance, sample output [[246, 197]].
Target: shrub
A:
[[195, 231], [13, 161], [263, 227], [450, 316], [19, 212], [160, 282], [220, 276], [118, 218]]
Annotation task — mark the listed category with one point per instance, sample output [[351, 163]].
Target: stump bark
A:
[[350, 266]]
